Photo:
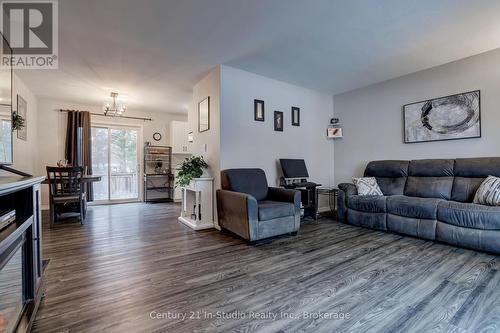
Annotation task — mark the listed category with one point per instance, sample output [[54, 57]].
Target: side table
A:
[[332, 193]]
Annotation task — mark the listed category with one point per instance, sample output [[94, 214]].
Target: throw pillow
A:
[[488, 192], [367, 186]]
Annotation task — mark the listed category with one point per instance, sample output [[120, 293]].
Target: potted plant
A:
[[17, 121], [191, 167]]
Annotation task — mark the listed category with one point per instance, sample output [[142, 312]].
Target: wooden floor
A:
[[132, 262]]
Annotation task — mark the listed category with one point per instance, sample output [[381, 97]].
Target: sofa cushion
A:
[[391, 185], [249, 181], [481, 167], [430, 178], [387, 168], [469, 215], [464, 189], [429, 187], [422, 208], [269, 210], [369, 204], [431, 168], [390, 175], [470, 173]]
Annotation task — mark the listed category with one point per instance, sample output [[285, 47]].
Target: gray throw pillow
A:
[[367, 186], [488, 192]]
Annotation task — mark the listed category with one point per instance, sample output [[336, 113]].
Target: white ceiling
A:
[[155, 51]]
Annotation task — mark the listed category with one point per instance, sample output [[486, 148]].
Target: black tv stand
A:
[[17, 172], [308, 197]]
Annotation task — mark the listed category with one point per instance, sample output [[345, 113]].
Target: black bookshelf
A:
[[158, 176]]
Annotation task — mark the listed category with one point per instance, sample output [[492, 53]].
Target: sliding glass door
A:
[[115, 158]]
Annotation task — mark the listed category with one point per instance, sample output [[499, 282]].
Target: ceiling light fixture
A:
[[115, 109]]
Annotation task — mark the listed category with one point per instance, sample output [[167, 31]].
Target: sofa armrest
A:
[[348, 188], [237, 212], [345, 190]]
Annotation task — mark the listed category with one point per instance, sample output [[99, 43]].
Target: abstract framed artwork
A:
[[22, 110], [278, 121], [204, 115], [258, 110], [295, 116], [451, 117]]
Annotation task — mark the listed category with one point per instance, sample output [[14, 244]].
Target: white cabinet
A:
[[179, 132]]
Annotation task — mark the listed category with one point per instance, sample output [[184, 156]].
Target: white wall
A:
[[373, 121], [52, 130], [25, 152], [247, 143], [207, 143]]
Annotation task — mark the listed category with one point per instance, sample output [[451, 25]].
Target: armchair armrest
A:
[[237, 212], [284, 195], [287, 195]]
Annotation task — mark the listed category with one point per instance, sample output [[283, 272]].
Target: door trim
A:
[[140, 157]]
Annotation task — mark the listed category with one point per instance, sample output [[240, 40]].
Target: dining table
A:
[[83, 179]]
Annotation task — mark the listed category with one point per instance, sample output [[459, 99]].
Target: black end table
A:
[[332, 193]]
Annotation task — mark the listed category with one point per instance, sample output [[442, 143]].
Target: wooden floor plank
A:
[[128, 261]]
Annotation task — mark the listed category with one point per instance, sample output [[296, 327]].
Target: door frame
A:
[[140, 161]]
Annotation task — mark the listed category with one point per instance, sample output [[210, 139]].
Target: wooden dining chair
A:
[[66, 190]]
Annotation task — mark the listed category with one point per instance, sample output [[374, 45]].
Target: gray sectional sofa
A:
[[430, 199]]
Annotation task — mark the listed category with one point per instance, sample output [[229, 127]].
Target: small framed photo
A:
[[334, 132], [278, 121], [258, 110], [295, 116]]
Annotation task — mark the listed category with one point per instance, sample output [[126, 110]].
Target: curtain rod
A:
[[103, 115]]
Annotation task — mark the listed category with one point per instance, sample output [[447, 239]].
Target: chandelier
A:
[[115, 109]]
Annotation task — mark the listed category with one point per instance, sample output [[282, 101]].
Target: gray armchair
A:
[[249, 208]]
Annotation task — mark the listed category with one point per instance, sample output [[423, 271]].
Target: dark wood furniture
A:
[[84, 179], [66, 191], [295, 176], [21, 269]]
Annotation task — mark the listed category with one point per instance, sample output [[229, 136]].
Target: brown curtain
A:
[[79, 121]]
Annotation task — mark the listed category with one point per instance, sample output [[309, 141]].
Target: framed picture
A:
[[204, 115], [334, 132], [445, 118], [22, 110], [258, 110], [278, 121], [295, 116]]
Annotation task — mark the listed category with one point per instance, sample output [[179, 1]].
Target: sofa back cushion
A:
[[430, 178], [470, 173], [249, 181], [390, 174]]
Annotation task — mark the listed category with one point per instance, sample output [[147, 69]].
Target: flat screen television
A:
[[294, 168], [6, 109]]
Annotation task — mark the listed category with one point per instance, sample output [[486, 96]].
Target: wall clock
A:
[[157, 136]]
